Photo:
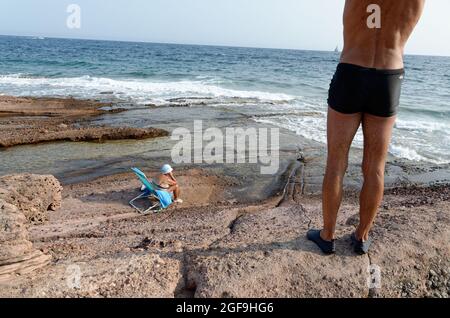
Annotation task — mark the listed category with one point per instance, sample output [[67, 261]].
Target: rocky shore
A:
[[220, 247], [36, 120], [237, 234], [24, 200]]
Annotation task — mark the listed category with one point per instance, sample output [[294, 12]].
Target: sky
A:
[[290, 24]]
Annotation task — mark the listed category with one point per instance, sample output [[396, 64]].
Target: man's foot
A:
[[178, 201], [359, 246], [328, 247]]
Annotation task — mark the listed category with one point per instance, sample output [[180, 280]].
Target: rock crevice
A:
[[24, 199]]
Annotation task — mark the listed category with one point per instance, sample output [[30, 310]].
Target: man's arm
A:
[[173, 178]]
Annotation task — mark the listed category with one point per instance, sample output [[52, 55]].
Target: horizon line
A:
[[195, 44]]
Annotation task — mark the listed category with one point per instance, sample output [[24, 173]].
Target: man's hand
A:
[[172, 177], [171, 182]]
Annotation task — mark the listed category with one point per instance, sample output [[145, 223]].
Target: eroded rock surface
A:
[[34, 195], [102, 248], [139, 275], [24, 199], [30, 120], [17, 256]]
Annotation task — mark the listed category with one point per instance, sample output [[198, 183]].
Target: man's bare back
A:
[[380, 48]]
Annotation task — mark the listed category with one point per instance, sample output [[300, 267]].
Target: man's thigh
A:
[[341, 129], [377, 137]]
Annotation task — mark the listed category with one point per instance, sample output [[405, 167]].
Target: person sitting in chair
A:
[[167, 182]]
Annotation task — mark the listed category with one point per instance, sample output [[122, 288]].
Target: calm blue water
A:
[[283, 87]]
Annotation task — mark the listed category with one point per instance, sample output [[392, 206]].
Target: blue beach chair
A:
[[163, 198]]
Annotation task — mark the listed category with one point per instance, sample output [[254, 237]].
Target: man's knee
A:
[[373, 172], [337, 167]]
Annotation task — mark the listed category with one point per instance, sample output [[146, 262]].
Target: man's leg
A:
[[377, 136], [341, 130]]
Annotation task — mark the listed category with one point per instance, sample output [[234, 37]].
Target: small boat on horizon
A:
[[336, 50]]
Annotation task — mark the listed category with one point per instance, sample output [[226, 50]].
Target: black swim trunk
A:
[[357, 89]]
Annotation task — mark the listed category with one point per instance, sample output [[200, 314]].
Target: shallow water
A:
[[286, 88], [80, 161]]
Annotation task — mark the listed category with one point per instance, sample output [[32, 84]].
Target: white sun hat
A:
[[166, 169]]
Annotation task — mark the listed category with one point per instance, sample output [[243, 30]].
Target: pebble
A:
[[178, 247], [437, 294]]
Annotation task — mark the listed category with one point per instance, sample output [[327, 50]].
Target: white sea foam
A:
[[314, 128], [424, 126], [309, 127], [413, 139], [140, 91], [407, 153]]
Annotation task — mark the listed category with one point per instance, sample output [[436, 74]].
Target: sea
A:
[[285, 88]]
